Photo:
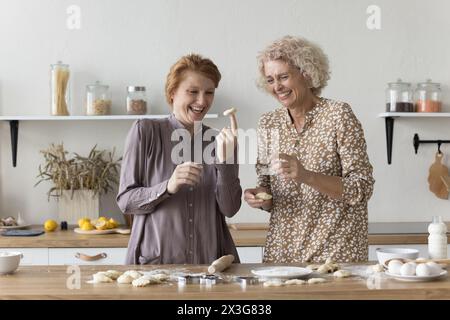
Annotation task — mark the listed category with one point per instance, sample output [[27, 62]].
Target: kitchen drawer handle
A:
[[85, 257]]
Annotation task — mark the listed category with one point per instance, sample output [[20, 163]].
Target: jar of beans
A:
[[428, 97], [136, 100], [98, 99], [399, 97]]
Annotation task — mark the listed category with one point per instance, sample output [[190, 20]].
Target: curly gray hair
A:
[[300, 53]]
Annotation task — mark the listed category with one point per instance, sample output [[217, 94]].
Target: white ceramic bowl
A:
[[384, 254], [9, 261]]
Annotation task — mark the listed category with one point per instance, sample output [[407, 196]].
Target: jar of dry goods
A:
[[98, 100], [136, 100], [428, 97], [399, 97], [60, 89]]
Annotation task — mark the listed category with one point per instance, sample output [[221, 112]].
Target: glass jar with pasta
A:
[[60, 89], [98, 100]]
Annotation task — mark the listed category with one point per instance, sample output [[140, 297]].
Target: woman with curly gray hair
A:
[[312, 159]]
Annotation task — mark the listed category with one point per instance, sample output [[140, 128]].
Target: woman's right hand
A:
[[188, 173], [250, 198]]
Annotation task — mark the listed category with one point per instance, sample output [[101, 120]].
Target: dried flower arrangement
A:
[[93, 172]]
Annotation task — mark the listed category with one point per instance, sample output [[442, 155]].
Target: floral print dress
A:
[[306, 225]]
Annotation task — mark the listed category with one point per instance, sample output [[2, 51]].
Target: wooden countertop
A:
[[242, 238], [37, 282]]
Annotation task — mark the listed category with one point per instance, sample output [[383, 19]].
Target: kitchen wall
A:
[[135, 42]]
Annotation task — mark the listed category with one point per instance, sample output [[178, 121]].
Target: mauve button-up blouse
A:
[[188, 226]]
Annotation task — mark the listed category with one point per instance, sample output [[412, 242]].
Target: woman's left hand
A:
[[289, 167]]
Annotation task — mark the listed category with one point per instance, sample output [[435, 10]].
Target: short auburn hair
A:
[[191, 62]]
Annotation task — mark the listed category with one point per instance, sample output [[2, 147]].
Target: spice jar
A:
[[60, 89], [136, 100], [399, 97], [428, 97], [98, 99]]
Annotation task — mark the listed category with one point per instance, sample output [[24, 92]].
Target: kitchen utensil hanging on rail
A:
[[435, 182]]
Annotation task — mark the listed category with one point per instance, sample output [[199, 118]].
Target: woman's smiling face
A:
[[193, 98], [286, 83]]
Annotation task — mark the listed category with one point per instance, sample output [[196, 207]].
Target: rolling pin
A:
[[221, 264]]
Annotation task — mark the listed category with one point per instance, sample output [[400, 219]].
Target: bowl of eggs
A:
[[414, 271], [384, 254]]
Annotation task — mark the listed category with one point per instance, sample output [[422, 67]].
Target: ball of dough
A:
[[133, 273], [263, 196], [125, 279], [114, 274], [101, 277], [422, 270], [140, 282], [316, 280], [229, 111], [434, 268], [273, 283], [294, 281], [342, 274], [377, 268], [408, 269], [394, 266]]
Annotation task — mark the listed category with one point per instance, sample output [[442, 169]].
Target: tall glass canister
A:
[[60, 89], [399, 97]]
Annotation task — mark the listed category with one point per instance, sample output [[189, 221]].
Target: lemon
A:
[[86, 226], [113, 223], [82, 221], [102, 218], [101, 225], [50, 225]]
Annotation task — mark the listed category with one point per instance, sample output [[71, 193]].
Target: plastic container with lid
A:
[[428, 97], [437, 240], [98, 100], [136, 100], [399, 97], [60, 89]]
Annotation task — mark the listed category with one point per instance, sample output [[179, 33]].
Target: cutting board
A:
[[99, 232], [248, 226], [435, 182]]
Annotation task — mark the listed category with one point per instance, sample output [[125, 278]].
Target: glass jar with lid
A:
[[98, 99], [428, 97], [60, 89], [136, 100], [399, 97]]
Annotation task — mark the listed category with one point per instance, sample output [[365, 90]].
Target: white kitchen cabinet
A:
[[250, 254], [94, 256], [31, 256]]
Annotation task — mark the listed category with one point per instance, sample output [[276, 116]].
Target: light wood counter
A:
[[36, 282], [242, 238]]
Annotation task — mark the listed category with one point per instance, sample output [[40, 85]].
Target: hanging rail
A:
[[417, 142]]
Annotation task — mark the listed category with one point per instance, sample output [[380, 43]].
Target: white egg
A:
[[408, 269], [422, 270], [434, 267], [394, 266]]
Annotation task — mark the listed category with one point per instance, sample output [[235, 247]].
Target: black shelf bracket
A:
[[417, 142], [14, 129], [389, 121]]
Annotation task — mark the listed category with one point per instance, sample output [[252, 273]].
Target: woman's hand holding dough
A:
[[188, 173]]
